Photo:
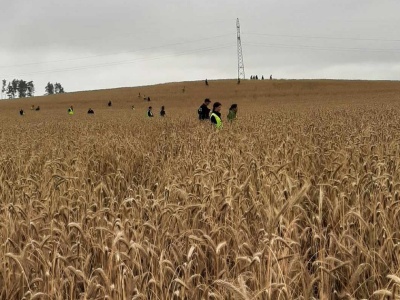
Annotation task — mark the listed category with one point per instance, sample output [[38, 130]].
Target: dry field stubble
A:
[[298, 199]]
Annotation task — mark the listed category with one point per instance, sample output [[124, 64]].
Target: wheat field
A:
[[299, 198]]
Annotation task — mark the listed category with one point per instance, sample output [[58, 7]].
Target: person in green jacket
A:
[[232, 112]]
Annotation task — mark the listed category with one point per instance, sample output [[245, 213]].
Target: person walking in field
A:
[[215, 116], [109, 103], [232, 112], [150, 112], [162, 112], [71, 110], [21, 112], [204, 111]]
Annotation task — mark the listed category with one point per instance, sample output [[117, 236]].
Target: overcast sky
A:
[[98, 44]]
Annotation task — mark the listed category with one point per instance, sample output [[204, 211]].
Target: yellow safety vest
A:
[[218, 119], [70, 112]]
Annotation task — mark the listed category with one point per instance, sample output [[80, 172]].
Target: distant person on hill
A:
[[90, 111], [215, 116], [256, 77], [270, 77], [32, 107], [206, 81], [232, 112], [71, 110], [133, 107], [139, 95], [238, 81], [150, 112], [204, 111], [37, 108], [21, 112], [262, 77], [109, 103], [148, 99], [184, 89], [162, 112]]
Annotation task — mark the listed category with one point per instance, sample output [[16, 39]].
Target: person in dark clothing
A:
[[206, 82], [37, 108], [109, 103], [90, 111], [204, 111], [149, 112], [21, 112], [215, 116], [162, 112]]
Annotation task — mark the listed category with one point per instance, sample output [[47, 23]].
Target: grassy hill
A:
[[250, 95]]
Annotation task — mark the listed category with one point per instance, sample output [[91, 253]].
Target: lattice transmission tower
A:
[[239, 52]]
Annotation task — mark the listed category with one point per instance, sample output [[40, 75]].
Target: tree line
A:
[[55, 88], [19, 88]]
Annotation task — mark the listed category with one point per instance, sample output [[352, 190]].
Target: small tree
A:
[[58, 88], [49, 89], [10, 91], [14, 84], [22, 88], [3, 88], [31, 89]]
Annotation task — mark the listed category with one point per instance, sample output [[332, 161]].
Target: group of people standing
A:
[[204, 112], [150, 112], [214, 115]]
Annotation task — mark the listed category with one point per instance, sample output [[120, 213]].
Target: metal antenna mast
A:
[[239, 52]]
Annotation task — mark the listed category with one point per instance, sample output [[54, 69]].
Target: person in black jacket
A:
[[162, 112], [150, 112], [204, 111], [90, 111]]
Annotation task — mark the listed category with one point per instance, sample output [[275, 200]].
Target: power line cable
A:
[[117, 53], [323, 37], [125, 61], [322, 48]]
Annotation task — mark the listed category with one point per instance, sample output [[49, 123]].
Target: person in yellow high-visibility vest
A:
[[215, 116], [71, 110]]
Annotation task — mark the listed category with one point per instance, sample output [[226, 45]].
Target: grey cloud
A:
[[291, 37]]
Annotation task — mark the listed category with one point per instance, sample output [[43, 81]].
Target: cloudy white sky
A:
[[98, 44]]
